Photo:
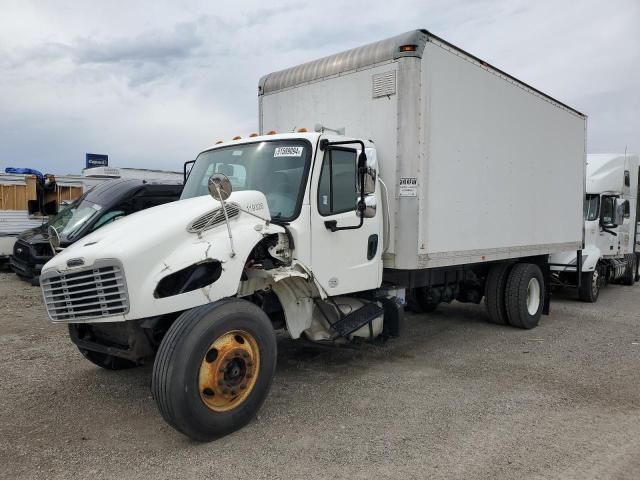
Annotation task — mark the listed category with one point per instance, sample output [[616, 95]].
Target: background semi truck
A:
[[610, 209], [431, 176]]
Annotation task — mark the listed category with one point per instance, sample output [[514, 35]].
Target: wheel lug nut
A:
[[245, 355]]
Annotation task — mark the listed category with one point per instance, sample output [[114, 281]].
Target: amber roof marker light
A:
[[408, 48]]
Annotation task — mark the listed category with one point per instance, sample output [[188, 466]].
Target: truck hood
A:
[[154, 243], [152, 228], [34, 235]]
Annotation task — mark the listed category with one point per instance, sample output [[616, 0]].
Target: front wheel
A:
[[590, 286], [214, 368], [629, 277]]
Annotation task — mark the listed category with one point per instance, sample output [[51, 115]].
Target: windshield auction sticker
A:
[[288, 152]]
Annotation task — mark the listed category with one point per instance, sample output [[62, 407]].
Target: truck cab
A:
[[610, 223]]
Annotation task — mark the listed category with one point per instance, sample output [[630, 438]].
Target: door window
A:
[[337, 187]]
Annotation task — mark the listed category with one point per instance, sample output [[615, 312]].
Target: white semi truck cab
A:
[[610, 227], [404, 179]]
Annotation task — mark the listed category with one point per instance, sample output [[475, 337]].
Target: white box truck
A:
[[610, 225], [431, 176]]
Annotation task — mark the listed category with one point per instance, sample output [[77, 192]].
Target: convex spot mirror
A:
[[371, 174], [54, 238], [219, 186], [370, 205]]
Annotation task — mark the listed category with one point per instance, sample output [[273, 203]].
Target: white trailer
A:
[[610, 225], [431, 176]]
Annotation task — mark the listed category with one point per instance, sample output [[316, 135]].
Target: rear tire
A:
[[494, 293], [524, 297], [231, 336], [590, 286], [637, 266]]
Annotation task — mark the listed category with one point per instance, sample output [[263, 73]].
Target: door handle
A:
[[331, 225]]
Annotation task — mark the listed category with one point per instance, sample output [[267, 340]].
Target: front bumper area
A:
[[26, 262], [128, 340]]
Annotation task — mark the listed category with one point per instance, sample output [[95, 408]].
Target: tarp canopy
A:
[[25, 171]]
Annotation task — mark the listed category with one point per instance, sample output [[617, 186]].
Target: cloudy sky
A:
[[152, 83]]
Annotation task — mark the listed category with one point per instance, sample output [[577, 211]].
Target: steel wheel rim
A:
[[533, 296], [229, 370]]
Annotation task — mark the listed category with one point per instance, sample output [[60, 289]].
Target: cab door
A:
[[343, 261]]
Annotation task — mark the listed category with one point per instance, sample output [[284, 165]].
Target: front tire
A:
[[214, 368], [629, 277], [524, 295], [590, 286]]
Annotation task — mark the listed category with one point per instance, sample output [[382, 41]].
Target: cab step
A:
[[357, 319]]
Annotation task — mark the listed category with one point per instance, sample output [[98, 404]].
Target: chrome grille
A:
[[213, 218], [99, 291]]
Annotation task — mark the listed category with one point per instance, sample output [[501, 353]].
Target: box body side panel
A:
[[501, 170]]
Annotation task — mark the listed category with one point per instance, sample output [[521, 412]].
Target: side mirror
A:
[[370, 207], [371, 173], [620, 211], [219, 187], [186, 170]]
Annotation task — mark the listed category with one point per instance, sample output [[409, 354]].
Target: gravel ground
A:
[[455, 397]]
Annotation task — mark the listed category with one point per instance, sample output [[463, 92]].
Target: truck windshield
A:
[[71, 221], [276, 168], [591, 204]]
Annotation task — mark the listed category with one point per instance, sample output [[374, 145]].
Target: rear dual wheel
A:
[[214, 368], [515, 294]]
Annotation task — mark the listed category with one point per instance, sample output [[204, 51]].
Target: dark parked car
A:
[[99, 206]]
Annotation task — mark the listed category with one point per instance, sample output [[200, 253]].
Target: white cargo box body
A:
[[479, 165]]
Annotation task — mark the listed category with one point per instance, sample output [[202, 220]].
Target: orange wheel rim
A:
[[229, 370]]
